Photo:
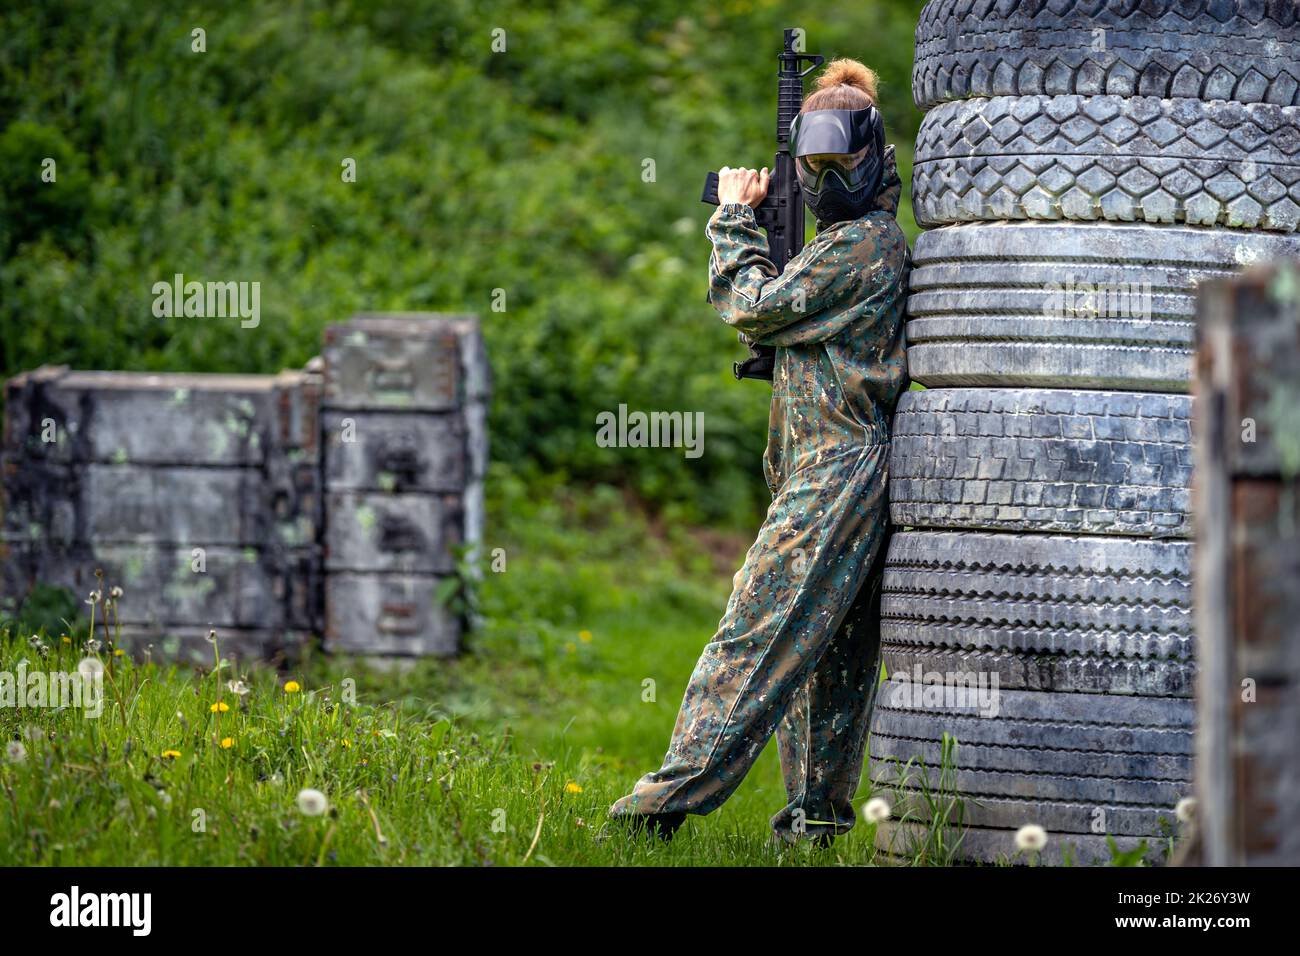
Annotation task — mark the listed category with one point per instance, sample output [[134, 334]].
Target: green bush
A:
[[477, 171]]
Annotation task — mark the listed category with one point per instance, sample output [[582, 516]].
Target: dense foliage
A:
[[476, 171]]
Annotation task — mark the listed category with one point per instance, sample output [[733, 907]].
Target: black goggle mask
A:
[[838, 187]]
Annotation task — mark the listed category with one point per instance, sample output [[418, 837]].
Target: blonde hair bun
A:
[[846, 72]]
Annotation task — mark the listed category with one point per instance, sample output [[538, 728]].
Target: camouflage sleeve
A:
[[814, 298]]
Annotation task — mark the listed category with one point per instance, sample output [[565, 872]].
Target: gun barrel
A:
[[780, 214], [789, 97]]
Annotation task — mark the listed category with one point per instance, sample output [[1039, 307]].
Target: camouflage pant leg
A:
[[824, 734], [799, 580]]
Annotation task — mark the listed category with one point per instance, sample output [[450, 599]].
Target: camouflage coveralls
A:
[[798, 645]]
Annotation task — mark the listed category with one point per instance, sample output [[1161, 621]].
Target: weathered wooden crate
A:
[[131, 418], [389, 615], [408, 533], [216, 459], [103, 503], [163, 584], [404, 360], [1247, 506], [396, 452], [199, 495], [226, 501], [405, 452]]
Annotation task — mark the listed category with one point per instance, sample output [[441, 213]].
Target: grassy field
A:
[[508, 755]]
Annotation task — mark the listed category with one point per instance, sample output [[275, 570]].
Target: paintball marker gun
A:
[[780, 214]]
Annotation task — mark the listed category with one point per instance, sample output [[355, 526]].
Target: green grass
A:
[[510, 754]]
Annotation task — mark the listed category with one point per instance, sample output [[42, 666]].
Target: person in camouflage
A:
[[797, 649]]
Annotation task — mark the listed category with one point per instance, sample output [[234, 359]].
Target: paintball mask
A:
[[839, 188]]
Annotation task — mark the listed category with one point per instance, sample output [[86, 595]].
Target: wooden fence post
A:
[[1247, 568]]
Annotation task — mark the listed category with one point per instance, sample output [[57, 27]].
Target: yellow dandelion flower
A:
[[584, 636], [292, 687], [118, 652], [220, 707], [65, 639], [572, 787], [227, 743], [170, 754]]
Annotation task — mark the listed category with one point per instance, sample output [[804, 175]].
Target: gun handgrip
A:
[[766, 208], [710, 194]]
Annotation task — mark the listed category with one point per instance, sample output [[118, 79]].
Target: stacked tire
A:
[[1081, 166]]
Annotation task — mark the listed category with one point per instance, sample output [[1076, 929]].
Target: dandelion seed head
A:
[[312, 803], [1031, 837], [876, 810]]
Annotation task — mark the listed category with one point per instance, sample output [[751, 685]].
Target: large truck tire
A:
[[1242, 50], [1112, 158], [1067, 305], [1042, 460]]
